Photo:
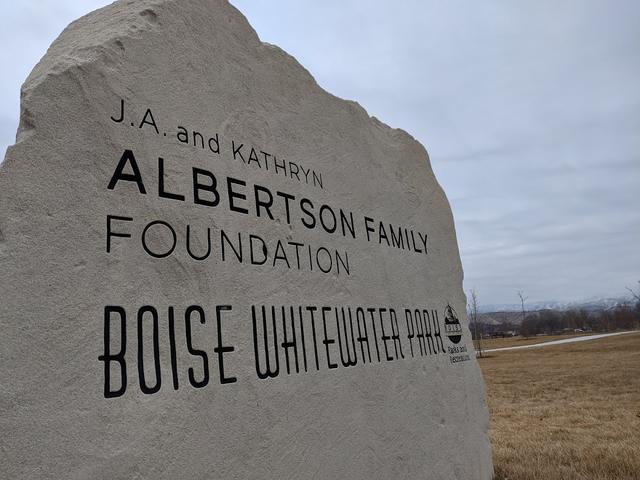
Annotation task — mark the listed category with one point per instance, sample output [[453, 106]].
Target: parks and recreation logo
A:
[[453, 331], [452, 327]]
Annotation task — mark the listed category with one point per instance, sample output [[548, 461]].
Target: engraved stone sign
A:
[[212, 268]]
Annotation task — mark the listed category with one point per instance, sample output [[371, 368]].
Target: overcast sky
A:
[[530, 112]]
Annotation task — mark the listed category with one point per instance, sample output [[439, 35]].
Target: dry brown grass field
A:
[[488, 343], [566, 412]]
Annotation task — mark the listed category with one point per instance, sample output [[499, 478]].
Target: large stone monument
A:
[[212, 268]]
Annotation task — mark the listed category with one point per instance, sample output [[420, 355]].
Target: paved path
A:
[[559, 342]]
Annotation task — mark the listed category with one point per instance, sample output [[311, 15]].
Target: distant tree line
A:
[[623, 317]]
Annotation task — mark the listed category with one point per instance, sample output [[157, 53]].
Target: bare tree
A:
[[473, 313], [522, 300], [634, 294], [636, 297]]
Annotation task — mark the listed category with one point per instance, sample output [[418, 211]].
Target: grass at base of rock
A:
[[566, 412]]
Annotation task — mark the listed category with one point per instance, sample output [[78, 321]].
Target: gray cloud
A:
[[530, 112]]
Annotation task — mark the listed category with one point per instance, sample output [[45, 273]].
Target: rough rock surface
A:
[[80, 301]]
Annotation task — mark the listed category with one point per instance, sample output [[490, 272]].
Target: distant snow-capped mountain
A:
[[591, 304]]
